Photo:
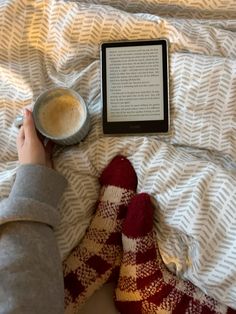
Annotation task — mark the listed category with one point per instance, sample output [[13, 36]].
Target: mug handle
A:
[[19, 120]]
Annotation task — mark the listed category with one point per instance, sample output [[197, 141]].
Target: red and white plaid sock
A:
[[145, 285], [98, 256]]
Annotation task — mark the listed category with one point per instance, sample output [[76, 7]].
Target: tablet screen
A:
[[135, 85]]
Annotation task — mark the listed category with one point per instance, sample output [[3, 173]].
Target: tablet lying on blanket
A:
[[135, 86]]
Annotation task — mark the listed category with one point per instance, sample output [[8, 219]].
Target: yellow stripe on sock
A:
[[128, 270], [112, 194], [129, 244], [92, 246], [128, 296], [106, 224]]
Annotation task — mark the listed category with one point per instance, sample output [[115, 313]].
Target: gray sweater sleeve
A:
[[31, 279]]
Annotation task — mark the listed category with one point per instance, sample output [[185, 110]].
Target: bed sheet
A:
[[191, 172]]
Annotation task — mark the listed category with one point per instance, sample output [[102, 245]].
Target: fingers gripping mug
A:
[[60, 114]]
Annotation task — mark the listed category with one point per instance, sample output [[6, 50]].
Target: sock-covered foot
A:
[[98, 256], [145, 285]]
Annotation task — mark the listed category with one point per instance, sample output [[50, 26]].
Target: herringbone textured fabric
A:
[[191, 172]]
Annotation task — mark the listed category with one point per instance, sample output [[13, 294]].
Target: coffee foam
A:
[[61, 116]]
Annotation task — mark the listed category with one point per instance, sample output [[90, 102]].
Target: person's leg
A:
[[145, 285], [98, 256]]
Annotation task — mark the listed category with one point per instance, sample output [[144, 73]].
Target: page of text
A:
[[134, 83]]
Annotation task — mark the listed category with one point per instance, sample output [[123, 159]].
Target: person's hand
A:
[[30, 149]]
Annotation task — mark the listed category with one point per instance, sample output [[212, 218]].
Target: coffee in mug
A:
[[62, 115]]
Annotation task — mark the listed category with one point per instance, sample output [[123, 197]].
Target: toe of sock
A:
[[139, 219], [119, 172]]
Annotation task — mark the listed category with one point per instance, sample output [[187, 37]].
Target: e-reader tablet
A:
[[135, 91]]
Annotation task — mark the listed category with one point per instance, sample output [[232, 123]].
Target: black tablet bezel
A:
[[134, 127]]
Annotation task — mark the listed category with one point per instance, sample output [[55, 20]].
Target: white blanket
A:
[[191, 173]]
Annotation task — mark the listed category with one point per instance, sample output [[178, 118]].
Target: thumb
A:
[[29, 127]]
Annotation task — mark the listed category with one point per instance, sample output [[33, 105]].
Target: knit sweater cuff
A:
[[34, 196], [39, 183]]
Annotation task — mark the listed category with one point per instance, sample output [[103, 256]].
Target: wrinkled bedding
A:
[[191, 172]]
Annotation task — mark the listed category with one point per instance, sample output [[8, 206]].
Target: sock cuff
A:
[[139, 219]]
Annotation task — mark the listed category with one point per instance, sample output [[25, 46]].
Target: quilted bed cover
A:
[[191, 172]]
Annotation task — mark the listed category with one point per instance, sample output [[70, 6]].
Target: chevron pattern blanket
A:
[[191, 172]]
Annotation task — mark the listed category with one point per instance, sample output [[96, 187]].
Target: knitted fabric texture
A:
[[145, 285], [97, 258]]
